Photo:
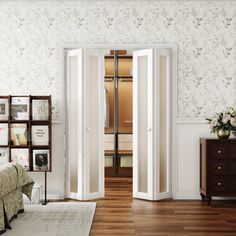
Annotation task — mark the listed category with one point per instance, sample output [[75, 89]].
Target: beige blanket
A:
[[14, 181]]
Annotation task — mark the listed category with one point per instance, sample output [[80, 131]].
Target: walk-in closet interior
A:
[[118, 113]]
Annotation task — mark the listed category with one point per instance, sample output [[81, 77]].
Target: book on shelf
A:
[[4, 156], [19, 134], [41, 160], [4, 109], [40, 109], [20, 108], [3, 134], [21, 156], [40, 135]]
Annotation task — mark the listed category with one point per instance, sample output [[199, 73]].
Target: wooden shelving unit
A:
[[30, 122]]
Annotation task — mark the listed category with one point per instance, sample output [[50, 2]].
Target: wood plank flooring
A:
[[119, 214]]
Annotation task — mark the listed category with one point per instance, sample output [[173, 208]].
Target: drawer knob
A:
[[219, 151], [219, 168], [219, 183]]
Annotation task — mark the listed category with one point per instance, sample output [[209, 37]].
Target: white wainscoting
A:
[[187, 157], [56, 177], [185, 168]]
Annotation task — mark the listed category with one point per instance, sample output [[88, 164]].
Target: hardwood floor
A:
[[119, 214]]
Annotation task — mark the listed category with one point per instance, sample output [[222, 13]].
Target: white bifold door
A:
[[85, 124], [151, 124]]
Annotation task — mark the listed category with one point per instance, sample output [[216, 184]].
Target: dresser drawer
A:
[[232, 183], [218, 167], [232, 167], [232, 151], [219, 184], [219, 150]]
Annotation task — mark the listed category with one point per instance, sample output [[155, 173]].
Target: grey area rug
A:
[[54, 219]]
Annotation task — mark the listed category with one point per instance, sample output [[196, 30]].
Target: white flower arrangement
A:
[[225, 120]]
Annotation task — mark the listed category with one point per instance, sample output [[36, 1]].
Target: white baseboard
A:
[[53, 196], [93, 196], [196, 196], [186, 196]]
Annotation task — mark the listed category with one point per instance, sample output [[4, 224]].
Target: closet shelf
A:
[[119, 57], [119, 76], [120, 152]]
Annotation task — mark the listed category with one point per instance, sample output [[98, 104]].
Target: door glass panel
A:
[[73, 123], [163, 124], [142, 125], [93, 105]]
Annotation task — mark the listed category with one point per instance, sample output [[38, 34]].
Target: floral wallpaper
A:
[[32, 33]]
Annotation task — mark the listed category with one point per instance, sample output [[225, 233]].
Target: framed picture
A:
[[4, 156], [21, 156], [3, 134], [19, 134], [20, 108], [40, 109], [41, 160], [4, 109], [40, 135]]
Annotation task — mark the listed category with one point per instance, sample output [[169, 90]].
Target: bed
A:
[[14, 181]]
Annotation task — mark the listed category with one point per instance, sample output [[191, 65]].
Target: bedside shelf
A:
[[31, 103], [19, 146], [40, 146], [19, 121]]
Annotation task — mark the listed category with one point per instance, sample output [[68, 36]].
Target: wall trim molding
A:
[[191, 121], [119, 0], [54, 196], [56, 121]]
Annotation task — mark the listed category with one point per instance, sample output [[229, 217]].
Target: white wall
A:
[[186, 162], [32, 33]]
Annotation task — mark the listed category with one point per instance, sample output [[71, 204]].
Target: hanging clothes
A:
[[106, 109]]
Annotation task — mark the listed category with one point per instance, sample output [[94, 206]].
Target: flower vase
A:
[[234, 133], [223, 134]]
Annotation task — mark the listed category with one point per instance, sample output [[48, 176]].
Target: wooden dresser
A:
[[217, 167]]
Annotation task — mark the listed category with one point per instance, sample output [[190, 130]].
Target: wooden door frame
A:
[[173, 99]]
